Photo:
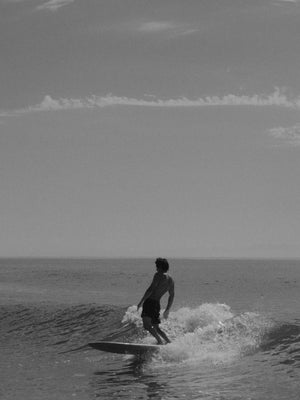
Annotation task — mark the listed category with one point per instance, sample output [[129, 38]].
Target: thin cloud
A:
[[54, 5], [286, 135], [49, 104], [167, 27], [13, 1], [155, 26], [288, 2]]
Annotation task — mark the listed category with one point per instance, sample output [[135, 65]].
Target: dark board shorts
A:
[[151, 308]]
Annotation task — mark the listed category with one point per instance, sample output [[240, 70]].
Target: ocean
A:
[[234, 325]]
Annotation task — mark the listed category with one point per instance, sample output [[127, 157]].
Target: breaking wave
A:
[[209, 332]]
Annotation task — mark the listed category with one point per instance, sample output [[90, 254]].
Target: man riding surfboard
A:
[[161, 284]]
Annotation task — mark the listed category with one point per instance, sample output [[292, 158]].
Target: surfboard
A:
[[125, 348]]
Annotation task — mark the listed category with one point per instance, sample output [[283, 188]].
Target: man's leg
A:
[[150, 328], [161, 333]]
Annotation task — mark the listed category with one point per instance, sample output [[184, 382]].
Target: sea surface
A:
[[234, 325]]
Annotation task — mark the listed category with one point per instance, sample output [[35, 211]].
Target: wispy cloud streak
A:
[[156, 26], [51, 5], [165, 28], [287, 1], [49, 104], [169, 27], [54, 5]]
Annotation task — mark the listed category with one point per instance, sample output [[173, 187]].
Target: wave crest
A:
[[207, 332]]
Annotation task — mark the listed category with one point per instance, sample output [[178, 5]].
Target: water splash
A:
[[133, 316], [208, 333]]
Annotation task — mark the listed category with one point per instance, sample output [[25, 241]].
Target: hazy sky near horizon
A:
[[150, 128]]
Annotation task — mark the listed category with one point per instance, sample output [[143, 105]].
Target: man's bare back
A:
[[161, 284]]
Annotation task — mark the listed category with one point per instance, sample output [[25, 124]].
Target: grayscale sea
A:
[[234, 325]]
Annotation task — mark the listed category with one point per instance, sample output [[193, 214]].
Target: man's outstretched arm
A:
[[170, 300]]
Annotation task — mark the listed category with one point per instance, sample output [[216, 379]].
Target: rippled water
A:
[[235, 330]]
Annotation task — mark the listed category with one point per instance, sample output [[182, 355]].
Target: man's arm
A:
[[170, 300]]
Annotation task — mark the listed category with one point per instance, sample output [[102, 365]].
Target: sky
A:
[[149, 128]]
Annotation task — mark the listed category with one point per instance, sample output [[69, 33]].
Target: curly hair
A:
[[162, 263]]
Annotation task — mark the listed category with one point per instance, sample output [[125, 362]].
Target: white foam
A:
[[133, 316], [207, 333]]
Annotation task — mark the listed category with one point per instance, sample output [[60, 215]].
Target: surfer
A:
[[161, 284]]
